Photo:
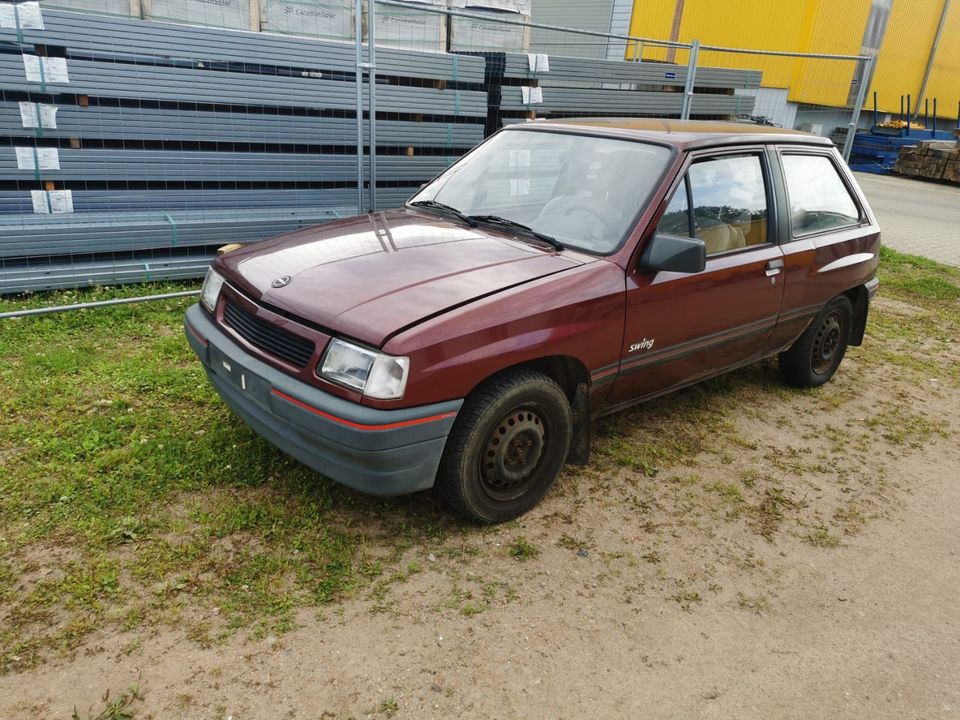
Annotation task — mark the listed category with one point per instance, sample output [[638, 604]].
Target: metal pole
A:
[[934, 133], [909, 115], [874, 108], [933, 53], [96, 304], [855, 115], [372, 96], [358, 39], [691, 80]]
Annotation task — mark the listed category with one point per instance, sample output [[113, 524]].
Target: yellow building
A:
[[916, 44]]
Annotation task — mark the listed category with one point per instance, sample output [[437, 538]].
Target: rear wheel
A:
[[507, 446], [817, 353]]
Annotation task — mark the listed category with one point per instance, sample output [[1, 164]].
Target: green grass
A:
[[918, 277], [521, 549], [132, 497], [135, 496]]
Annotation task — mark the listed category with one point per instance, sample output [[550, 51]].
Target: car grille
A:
[[268, 337]]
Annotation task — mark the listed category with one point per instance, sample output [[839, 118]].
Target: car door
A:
[[829, 239], [680, 328]]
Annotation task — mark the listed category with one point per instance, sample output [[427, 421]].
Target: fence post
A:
[[855, 115], [691, 78], [358, 39], [372, 110]]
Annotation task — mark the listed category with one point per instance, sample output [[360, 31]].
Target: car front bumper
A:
[[380, 452]]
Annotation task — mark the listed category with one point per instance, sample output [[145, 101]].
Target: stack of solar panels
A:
[[126, 143], [522, 86]]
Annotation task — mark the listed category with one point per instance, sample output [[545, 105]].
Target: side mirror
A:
[[674, 253]]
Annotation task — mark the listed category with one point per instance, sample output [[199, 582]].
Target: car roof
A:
[[684, 134]]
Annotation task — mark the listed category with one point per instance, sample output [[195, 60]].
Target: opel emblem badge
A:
[[281, 281]]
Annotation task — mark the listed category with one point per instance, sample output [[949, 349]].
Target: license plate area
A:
[[239, 377]]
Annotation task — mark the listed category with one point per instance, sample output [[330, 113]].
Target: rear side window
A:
[[819, 200]]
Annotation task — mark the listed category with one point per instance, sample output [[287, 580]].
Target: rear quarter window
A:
[[819, 199]]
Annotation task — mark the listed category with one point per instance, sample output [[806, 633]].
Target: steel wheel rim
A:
[[513, 453], [826, 342]]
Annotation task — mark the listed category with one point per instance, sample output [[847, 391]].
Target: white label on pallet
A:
[[45, 69], [531, 95], [538, 62], [54, 202], [514, 6], [29, 158], [23, 16], [38, 115]]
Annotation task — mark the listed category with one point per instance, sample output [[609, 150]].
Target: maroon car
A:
[[558, 272]]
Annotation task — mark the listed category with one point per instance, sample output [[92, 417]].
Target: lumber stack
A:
[[932, 159]]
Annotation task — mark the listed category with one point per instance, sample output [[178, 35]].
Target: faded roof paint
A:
[[681, 133]]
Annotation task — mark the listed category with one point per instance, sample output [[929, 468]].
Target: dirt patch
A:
[[745, 578]]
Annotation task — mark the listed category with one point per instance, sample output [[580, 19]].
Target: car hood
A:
[[371, 276]]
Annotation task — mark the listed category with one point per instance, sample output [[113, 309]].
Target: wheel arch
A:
[[573, 378], [859, 298]]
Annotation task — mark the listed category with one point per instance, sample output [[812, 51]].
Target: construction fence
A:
[[138, 136]]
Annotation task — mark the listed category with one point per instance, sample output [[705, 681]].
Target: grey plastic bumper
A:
[[380, 452]]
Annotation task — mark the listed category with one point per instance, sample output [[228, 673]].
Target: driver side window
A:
[[729, 204]]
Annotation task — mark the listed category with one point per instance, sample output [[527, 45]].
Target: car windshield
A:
[[583, 190]]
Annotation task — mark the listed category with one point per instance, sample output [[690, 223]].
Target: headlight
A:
[[374, 374], [211, 290]]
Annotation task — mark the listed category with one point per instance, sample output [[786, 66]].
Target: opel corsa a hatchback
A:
[[558, 272]]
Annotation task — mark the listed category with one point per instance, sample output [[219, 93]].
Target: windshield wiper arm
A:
[[513, 224], [448, 208]]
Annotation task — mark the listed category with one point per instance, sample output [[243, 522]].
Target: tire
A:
[[817, 353], [508, 444]]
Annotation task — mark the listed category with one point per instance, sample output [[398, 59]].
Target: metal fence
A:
[[138, 136]]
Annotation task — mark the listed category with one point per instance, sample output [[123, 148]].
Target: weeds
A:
[[120, 708], [758, 604], [520, 549]]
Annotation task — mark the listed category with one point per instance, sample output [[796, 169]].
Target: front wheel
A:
[[817, 353], [507, 446]]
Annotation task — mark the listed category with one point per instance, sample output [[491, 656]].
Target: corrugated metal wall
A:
[[811, 26], [619, 25], [945, 74], [590, 15], [816, 26], [904, 53]]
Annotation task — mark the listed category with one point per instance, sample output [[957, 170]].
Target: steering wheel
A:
[[579, 204]]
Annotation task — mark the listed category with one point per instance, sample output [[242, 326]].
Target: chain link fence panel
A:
[[138, 136]]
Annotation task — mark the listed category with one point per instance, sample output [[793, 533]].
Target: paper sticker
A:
[[29, 158], [22, 16], [45, 69], [538, 62], [38, 115], [531, 95], [54, 202]]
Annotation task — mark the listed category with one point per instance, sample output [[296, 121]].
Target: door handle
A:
[[774, 267]]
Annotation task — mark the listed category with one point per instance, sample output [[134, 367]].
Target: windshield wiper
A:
[[447, 208], [514, 225]]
